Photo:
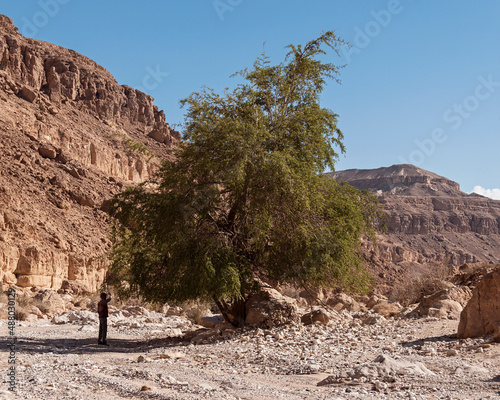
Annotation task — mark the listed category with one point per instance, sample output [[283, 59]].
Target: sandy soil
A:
[[65, 362]]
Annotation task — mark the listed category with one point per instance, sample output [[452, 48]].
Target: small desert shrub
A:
[[92, 303], [82, 301], [421, 283], [21, 313], [195, 310], [44, 308], [292, 292], [123, 300], [23, 300]]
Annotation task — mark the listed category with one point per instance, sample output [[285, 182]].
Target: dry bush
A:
[[24, 300], [421, 283], [21, 313], [195, 310], [122, 301], [471, 274], [291, 292], [92, 303], [84, 301], [44, 308]]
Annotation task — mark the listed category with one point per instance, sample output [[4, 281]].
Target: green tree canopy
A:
[[245, 198]]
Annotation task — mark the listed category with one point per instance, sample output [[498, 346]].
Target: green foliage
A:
[[246, 198]]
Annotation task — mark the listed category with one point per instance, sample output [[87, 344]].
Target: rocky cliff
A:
[[429, 220], [70, 138]]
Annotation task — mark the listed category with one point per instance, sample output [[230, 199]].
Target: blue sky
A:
[[421, 83]]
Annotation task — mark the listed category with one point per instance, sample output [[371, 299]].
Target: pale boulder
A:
[[211, 321], [343, 301], [50, 302], [446, 303], [270, 308], [450, 309], [318, 315], [387, 309]]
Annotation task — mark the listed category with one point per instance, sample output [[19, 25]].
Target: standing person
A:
[[102, 310]]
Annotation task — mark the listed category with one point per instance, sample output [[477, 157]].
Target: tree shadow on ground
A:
[[89, 345], [432, 339]]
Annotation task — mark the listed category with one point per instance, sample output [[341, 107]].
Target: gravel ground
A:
[[146, 362]]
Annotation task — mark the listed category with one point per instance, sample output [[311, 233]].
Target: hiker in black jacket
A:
[[102, 310]]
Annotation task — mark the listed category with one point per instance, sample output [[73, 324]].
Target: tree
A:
[[246, 198]]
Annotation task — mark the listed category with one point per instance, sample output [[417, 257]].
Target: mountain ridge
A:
[[399, 179], [430, 221], [71, 137]]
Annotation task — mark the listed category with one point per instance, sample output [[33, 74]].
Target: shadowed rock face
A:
[[481, 316], [70, 138], [429, 220]]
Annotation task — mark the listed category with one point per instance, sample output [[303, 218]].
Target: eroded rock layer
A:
[[429, 221], [70, 138]]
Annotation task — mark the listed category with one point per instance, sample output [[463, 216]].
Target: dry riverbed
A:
[[149, 360]]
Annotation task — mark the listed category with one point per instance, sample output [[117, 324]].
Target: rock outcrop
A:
[[70, 138], [429, 221], [268, 308], [481, 315]]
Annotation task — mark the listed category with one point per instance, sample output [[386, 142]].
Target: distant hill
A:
[[403, 179], [430, 221]]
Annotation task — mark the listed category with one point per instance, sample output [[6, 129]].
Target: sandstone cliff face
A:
[[481, 316], [70, 138], [429, 221]]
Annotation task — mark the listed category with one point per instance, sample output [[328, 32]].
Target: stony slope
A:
[[430, 221], [70, 138]]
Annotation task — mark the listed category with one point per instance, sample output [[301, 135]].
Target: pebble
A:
[[282, 362]]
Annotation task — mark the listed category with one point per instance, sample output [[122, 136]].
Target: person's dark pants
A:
[[103, 329]]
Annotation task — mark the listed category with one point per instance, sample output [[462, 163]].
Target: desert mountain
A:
[[429, 220], [70, 138]]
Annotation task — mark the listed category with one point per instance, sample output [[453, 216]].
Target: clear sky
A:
[[421, 83]]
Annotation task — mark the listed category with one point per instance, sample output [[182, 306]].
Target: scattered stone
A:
[[211, 321], [470, 369], [49, 301], [387, 309], [318, 315], [27, 94], [343, 301], [47, 151], [384, 365]]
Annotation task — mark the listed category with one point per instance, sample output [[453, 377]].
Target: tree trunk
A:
[[234, 312]]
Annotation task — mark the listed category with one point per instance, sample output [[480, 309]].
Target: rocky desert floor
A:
[[153, 356]]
